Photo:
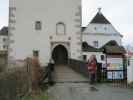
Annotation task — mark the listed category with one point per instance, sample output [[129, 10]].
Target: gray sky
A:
[[118, 12]]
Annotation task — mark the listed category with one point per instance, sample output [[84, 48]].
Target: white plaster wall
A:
[[102, 33], [102, 39], [100, 28], [26, 39], [98, 56], [3, 43], [130, 72]]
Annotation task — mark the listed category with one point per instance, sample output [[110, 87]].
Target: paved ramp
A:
[[73, 86], [68, 91], [82, 91], [65, 74]]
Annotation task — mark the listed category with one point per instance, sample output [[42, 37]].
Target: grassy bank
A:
[[42, 96]]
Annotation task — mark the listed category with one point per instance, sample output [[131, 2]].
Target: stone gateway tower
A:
[[47, 28]]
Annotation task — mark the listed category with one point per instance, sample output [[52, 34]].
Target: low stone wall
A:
[[130, 72]]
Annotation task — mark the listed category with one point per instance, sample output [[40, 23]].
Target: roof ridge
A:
[[4, 31]]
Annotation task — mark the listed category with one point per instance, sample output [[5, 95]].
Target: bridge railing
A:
[[79, 66], [47, 74]]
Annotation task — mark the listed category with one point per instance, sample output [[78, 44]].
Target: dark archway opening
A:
[[60, 55]]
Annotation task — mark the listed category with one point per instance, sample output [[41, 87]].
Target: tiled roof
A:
[[4, 31], [88, 48], [100, 19], [113, 48]]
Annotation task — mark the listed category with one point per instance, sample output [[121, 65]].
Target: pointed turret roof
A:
[[99, 25], [99, 18]]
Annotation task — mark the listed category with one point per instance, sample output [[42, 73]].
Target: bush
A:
[[13, 83]]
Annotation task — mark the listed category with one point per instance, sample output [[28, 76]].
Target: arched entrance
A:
[[60, 55]]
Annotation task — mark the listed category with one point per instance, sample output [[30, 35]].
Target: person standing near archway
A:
[[92, 67]]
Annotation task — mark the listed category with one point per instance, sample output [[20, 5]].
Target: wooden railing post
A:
[[35, 74], [28, 67]]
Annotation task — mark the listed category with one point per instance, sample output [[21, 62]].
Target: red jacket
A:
[[92, 66]]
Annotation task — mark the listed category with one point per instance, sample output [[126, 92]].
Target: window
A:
[[102, 57], [5, 47], [128, 62], [4, 39], [95, 43], [35, 53], [38, 25], [105, 28], [60, 28], [95, 28], [84, 57]]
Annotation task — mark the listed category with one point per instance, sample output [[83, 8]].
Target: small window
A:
[[4, 39], [35, 53], [102, 57], [95, 44], [60, 28], [105, 28], [5, 47], [128, 62], [85, 57], [95, 28], [38, 25]]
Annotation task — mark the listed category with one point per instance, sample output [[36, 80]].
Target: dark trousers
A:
[[51, 74], [92, 78]]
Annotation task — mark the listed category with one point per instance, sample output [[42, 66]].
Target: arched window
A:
[[38, 25], [60, 28], [96, 44], [102, 57]]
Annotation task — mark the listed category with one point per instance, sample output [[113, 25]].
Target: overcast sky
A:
[[118, 12]]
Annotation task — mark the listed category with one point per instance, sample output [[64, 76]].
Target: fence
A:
[[80, 67]]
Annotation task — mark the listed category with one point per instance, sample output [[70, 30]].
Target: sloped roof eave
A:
[[113, 49], [4, 31], [88, 48]]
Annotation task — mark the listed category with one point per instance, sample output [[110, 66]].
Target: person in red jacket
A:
[[92, 67]]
